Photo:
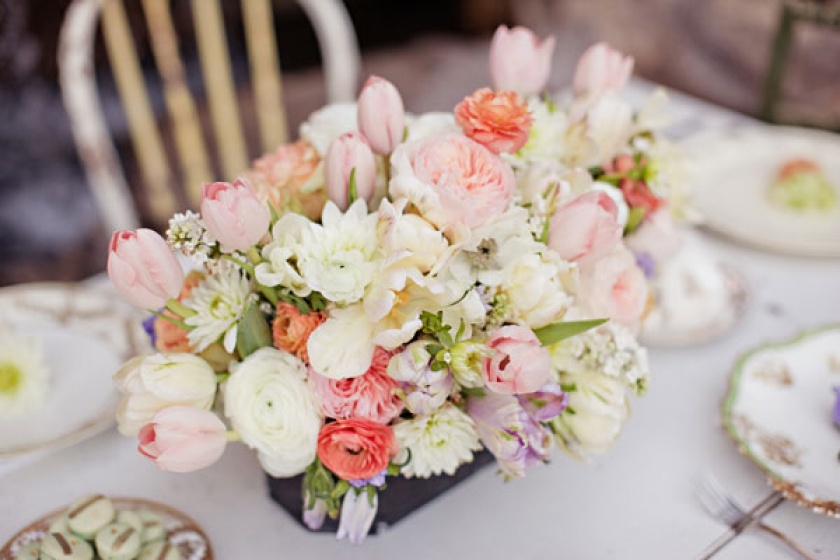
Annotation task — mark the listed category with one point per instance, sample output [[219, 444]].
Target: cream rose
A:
[[151, 383], [271, 408]]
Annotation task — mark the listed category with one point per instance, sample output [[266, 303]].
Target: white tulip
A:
[[152, 383]]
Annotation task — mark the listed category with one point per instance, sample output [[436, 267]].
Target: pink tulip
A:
[[518, 363], [143, 269], [586, 228], [614, 286], [234, 215], [519, 61], [348, 152], [183, 439], [381, 115], [601, 69]]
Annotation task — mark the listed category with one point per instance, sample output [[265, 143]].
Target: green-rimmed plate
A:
[[779, 411]]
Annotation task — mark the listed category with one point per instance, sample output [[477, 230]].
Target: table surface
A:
[[636, 502]]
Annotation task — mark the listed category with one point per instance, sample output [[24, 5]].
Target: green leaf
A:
[[433, 349], [634, 219], [352, 191], [556, 332], [253, 333], [568, 387], [473, 391]]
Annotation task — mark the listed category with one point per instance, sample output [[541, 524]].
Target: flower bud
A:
[[519, 61], [143, 269], [467, 357], [183, 439], [350, 154], [234, 215], [357, 514], [381, 115]]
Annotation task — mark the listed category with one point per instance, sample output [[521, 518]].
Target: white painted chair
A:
[[165, 187]]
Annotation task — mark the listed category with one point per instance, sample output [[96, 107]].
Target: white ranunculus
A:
[[271, 408], [439, 442], [600, 408], [430, 124], [284, 255], [535, 290], [342, 254], [327, 124], [152, 383]]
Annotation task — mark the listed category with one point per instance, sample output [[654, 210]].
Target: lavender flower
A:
[[506, 429], [149, 327], [836, 413], [376, 480]]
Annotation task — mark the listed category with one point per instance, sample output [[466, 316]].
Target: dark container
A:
[[401, 497]]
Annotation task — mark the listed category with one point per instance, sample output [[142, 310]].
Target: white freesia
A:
[[430, 124], [219, 302], [357, 515], [152, 383], [271, 408], [326, 124], [23, 373], [535, 183], [342, 254], [600, 409], [654, 115], [439, 442], [284, 255], [534, 289], [609, 123], [546, 137]]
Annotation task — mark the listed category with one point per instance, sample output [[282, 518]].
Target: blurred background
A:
[[435, 51]]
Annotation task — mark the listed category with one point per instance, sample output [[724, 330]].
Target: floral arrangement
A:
[[392, 293]]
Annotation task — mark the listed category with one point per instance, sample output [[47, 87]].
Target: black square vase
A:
[[400, 498]]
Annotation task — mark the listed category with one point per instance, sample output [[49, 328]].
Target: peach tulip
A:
[[350, 154], [519, 61], [234, 215], [143, 269], [381, 115]]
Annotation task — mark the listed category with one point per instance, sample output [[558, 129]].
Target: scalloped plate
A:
[[87, 333], [778, 410], [182, 531], [733, 172]]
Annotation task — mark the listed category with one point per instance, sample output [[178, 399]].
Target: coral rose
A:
[[356, 449], [498, 121], [170, 337], [371, 395], [452, 180], [291, 179], [291, 329]]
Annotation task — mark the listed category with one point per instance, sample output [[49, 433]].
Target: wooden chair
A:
[[793, 12], [169, 186]]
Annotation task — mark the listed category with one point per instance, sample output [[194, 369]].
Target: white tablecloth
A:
[[636, 503]]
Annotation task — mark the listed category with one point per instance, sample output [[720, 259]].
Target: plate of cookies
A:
[[97, 526]]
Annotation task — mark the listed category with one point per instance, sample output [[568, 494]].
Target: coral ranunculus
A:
[[291, 329], [371, 395], [499, 121], [356, 449]]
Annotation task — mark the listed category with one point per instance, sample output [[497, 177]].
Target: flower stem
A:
[[233, 436], [179, 308], [254, 255], [172, 320], [247, 267]]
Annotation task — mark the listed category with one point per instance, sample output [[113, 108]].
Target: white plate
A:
[[734, 169], [182, 531], [779, 412], [87, 333]]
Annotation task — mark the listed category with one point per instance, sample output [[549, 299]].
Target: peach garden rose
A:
[[292, 178]]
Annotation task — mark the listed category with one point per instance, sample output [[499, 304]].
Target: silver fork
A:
[[722, 506]]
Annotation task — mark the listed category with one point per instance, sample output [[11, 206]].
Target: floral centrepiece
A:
[[393, 293]]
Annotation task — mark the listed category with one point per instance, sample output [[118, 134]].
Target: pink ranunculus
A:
[[347, 153], [615, 287], [452, 180], [498, 121], [356, 449], [234, 215], [601, 69], [586, 228], [371, 395], [143, 269], [183, 439], [519, 61], [518, 363], [381, 115]]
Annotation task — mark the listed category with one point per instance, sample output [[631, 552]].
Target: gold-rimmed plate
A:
[[86, 333], [182, 531], [778, 410]]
